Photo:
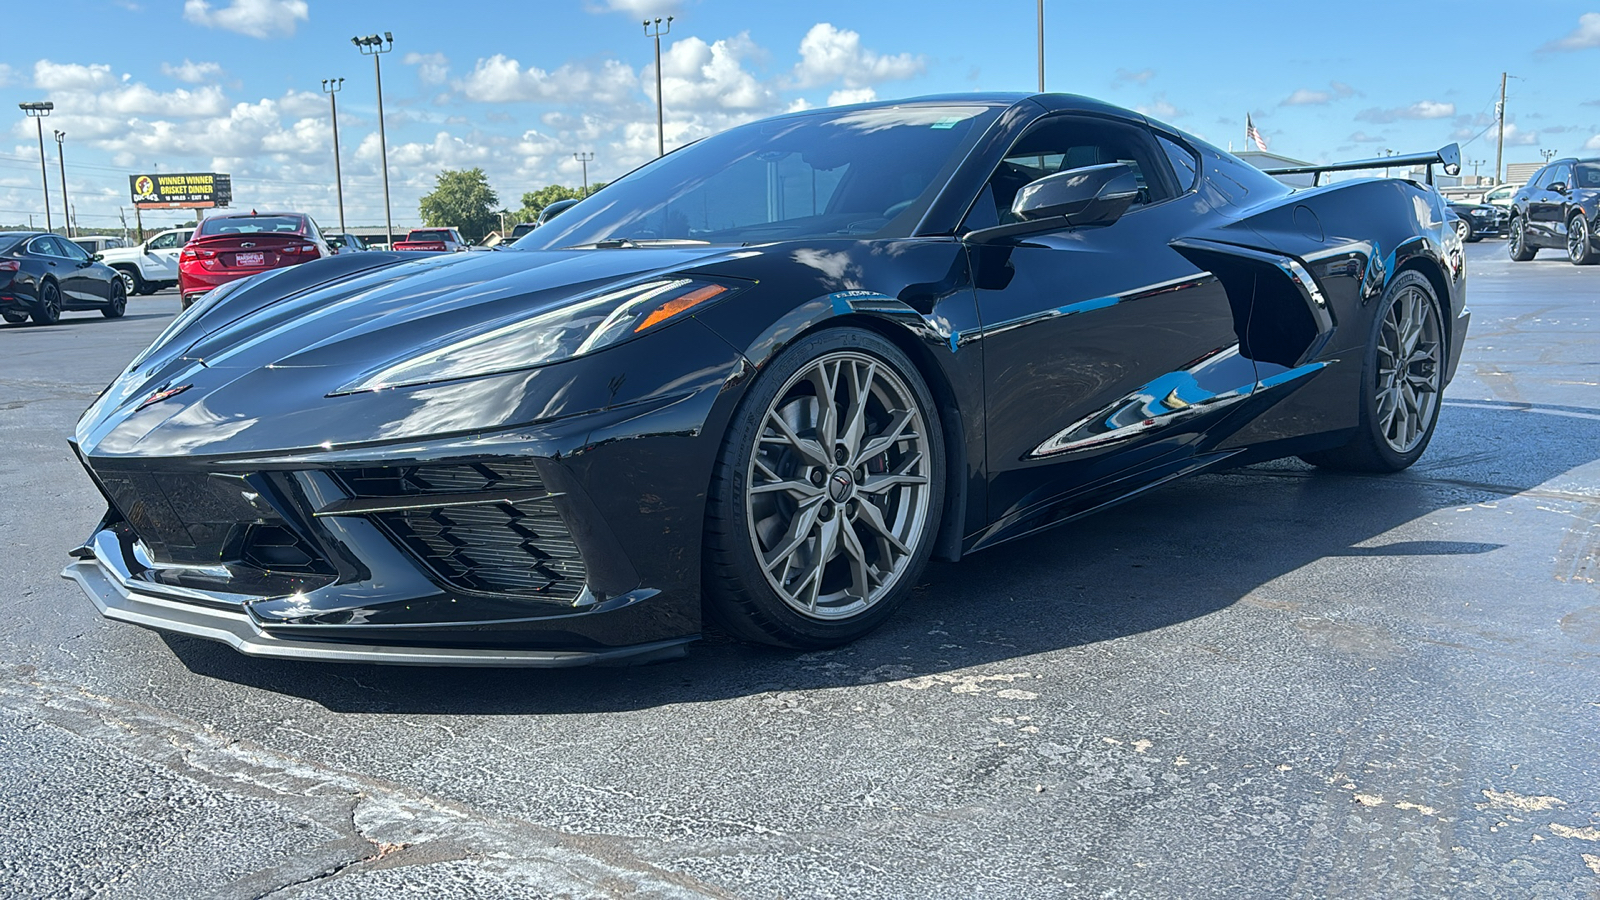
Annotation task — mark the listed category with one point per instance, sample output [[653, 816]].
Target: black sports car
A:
[[1476, 221], [1559, 207], [764, 377], [43, 275]]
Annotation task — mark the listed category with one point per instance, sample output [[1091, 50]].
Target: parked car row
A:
[[1559, 208], [43, 275], [1475, 221]]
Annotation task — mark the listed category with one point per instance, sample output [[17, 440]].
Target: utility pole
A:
[[331, 87], [584, 158], [1500, 144], [39, 111], [661, 129], [1041, 46], [61, 157], [375, 47]]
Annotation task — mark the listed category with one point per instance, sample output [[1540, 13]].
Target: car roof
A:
[[252, 215], [1051, 102]]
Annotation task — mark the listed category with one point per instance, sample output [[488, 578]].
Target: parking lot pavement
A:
[[1271, 682]]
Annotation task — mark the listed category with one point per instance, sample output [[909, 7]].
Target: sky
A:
[[518, 87]]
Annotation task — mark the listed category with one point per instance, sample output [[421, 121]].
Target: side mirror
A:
[[1092, 195], [98, 256], [1559, 187]]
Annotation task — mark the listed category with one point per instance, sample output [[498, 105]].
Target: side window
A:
[[1185, 164], [164, 241], [44, 246], [71, 250], [1061, 143], [1561, 174], [1541, 179]]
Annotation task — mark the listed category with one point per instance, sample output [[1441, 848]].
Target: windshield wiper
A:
[[616, 243]]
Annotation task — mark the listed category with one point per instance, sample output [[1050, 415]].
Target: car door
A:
[[1105, 351], [85, 284], [161, 256], [56, 265], [1547, 202]]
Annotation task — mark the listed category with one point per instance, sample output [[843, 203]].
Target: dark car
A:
[[555, 209], [763, 378], [229, 247], [346, 243], [1476, 221], [43, 275], [1559, 207], [521, 229]]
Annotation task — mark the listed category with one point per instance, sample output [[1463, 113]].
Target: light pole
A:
[[585, 159], [331, 87], [1548, 155], [39, 111], [375, 47], [61, 157], [661, 132], [1041, 46], [1500, 119]]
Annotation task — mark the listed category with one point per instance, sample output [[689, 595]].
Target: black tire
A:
[[1465, 231], [118, 304], [1580, 242], [48, 310], [1517, 241], [873, 502], [132, 282], [15, 318], [1373, 447]]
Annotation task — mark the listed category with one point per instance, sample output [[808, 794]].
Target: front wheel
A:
[[1580, 242], [826, 495], [1464, 231], [48, 311], [1517, 241], [1401, 383], [118, 304]]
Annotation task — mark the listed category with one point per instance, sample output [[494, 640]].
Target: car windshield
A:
[[252, 225], [1586, 175], [868, 173]]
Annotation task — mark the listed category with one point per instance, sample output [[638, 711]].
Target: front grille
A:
[[519, 547]]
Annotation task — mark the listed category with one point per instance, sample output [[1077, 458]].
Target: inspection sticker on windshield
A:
[[947, 122]]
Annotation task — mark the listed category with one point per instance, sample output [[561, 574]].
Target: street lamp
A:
[[39, 111], [375, 46], [585, 159], [661, 132], [61, 157], [1548, 155], [332, 86], [1041, 46]]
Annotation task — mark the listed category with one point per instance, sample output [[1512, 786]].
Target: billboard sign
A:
[[182, 190]]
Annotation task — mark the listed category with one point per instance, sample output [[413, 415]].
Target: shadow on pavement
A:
[[1180, 553]]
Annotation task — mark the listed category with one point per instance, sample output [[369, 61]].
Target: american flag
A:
[[1251, 134]]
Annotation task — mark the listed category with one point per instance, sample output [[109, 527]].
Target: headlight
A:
[[573, 330]]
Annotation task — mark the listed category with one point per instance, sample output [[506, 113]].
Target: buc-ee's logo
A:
[[144, 187]]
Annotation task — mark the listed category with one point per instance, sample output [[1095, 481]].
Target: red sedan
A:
[[226, 248]]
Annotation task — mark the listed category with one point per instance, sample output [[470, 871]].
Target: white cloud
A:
[[1585, 37], [7, 75], [847, 96], [831, 55], [1159, 108], [192, 72], [1124, 76], [71, 76], [432, 68], [697, 75], [1361, 137], [500, 79], [1592, 143], [1307, 97], [1424, 109], [644, 9], [255, 18]]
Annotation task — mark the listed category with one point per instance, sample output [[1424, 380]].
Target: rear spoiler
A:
[[1448, 156]]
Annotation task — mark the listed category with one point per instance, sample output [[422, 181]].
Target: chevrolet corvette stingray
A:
[[762, 379]]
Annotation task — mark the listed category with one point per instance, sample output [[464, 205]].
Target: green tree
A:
[[462, 198], [533, 202]]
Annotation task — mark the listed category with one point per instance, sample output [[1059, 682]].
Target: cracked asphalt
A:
[[1272, 682]]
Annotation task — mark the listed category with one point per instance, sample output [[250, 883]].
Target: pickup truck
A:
[[150, 266], [439, 240]]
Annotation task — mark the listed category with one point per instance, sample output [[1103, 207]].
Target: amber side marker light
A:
[[680, 303]]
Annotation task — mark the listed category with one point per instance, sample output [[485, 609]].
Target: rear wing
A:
[[1448, 156]]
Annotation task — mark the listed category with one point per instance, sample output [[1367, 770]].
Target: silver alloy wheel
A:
[[1577, 238], [1462, 229], [838, 494], [127, 281], [1410, 369], [1515, 238]]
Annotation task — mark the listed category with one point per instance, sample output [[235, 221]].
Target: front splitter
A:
[[116, 600]]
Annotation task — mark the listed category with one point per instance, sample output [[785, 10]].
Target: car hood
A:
[[284, 340]]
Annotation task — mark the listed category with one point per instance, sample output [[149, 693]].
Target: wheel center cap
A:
[[841, 484]]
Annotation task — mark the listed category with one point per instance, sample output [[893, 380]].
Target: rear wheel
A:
[[48, 311], [1517, 241], [826, 495], [1580, 242], [118, 304], [1401, 383]]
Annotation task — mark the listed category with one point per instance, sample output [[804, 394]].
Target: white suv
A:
[[150, 266]]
